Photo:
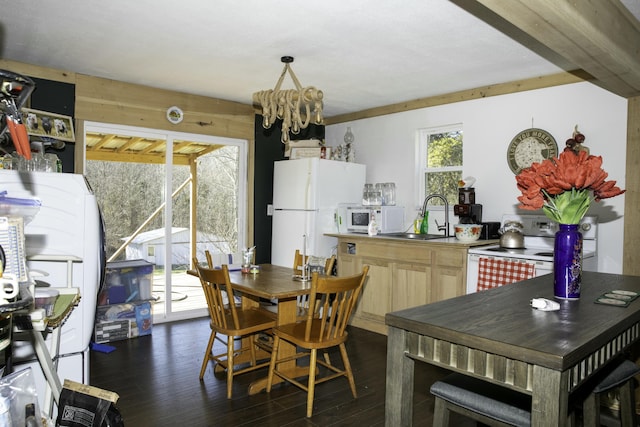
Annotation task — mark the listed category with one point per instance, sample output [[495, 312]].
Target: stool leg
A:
[[628, 416], [591, 411], [440, 414]]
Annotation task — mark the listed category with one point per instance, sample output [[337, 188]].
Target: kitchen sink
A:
[[412, 236]]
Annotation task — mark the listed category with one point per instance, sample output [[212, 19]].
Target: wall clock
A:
[[530, 146]]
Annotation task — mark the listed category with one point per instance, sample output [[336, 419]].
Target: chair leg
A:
[[628, 416], [207, 355], [230, 351], [347, 368], [272, 364], [252, 348], [440, 414], [312, 381]]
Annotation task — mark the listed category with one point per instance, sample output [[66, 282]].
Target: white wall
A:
[[387, 144]]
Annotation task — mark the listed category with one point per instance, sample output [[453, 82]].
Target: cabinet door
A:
[[448, 282], [375, 300], [411, 285], [348, 265], [449, 274]]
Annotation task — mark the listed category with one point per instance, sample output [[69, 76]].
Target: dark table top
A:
[[501, 320]]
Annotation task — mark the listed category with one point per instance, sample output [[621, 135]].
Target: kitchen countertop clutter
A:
[[436, 239]]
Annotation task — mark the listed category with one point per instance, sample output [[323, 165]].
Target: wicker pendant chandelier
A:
[[296, 107]]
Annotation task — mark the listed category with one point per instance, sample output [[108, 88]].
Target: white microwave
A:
[[390, 219]]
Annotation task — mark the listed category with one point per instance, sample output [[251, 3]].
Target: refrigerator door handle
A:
[[307, 191]]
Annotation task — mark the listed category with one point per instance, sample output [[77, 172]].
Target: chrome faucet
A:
[[444, 227]]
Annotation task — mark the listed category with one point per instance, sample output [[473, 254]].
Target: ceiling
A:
[[361, 53]]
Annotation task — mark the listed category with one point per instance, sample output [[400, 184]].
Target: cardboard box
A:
[[122, 321], [127, 281], [112, 331]]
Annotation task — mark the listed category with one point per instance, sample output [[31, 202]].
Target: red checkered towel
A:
[[494, 272]]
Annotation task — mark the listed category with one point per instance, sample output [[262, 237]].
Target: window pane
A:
[[128, 194], [445, 183], [217, 207], [444, 149]]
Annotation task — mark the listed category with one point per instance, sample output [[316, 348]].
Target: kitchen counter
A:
[[442, 241], [403, 273]]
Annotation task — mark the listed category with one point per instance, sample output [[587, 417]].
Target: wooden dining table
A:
[[272, 282], [498, 337]]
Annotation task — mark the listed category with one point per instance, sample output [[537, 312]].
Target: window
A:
[[439, 163]]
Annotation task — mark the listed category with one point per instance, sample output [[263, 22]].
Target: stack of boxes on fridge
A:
[[124, 303]]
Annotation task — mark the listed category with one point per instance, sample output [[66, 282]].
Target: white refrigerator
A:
[[68, 226], [306, 194]]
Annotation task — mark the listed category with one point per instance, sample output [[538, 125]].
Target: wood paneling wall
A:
[[631, 261], [110, 101]]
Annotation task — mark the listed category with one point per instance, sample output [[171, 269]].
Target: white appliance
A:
[[389, 219], [306, 195], [65, 240], [539, 232]]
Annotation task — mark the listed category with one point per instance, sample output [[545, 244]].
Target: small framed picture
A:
[[49, 125]]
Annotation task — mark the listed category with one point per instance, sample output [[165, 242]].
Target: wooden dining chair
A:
[[211, 264], [298, 263], [231, 321], [333, 300]]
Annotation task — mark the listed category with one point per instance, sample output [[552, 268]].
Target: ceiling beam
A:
[[464, 95], [600, 37]]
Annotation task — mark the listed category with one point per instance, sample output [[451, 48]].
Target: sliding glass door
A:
[[167, 209]]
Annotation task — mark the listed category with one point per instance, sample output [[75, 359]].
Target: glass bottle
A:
[[348, 136], [378, 195], [366, 194], [424, 225], [389, 193]]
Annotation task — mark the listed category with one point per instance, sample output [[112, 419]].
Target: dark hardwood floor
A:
[[157, 379]]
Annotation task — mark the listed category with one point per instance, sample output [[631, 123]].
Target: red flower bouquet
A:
[[562, 186]]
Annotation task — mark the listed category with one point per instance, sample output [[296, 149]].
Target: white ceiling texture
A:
[[361, 53]]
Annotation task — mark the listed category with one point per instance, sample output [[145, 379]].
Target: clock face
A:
[[530, 146]]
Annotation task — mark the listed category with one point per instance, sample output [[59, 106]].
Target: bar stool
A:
[[499, 406]]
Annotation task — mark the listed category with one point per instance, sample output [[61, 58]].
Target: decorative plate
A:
[[530, 146]]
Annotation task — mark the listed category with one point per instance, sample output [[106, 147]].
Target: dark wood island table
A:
[[496, 336]]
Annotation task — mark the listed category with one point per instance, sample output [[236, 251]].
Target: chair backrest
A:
[[328, 266], [333, 299], [217, 259], [299, 261], [214, 282], [209, 259]]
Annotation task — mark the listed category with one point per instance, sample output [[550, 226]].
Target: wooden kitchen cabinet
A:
[[449, 276], [402, 274], [376, 301], [412, 285]]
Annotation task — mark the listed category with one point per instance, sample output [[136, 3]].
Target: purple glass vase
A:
[[567, 262]]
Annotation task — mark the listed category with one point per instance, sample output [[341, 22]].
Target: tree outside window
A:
[[440, 163]]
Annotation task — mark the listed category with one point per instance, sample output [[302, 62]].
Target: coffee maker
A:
[[467, 209]]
